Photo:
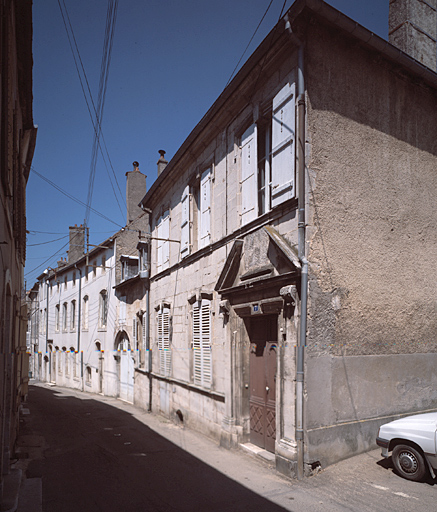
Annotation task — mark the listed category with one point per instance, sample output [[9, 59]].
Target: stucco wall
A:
[[372, 237], [372, 246]]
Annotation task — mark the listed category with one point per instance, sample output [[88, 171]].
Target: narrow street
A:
[[100, 454]]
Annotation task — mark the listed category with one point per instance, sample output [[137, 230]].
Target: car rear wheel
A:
[[409, 462]]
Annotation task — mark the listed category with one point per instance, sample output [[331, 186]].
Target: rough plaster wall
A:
[[372, 237]]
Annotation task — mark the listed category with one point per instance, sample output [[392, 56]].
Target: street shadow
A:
[[100, 458], [387, 463]]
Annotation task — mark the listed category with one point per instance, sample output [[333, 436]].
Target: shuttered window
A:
[[134, 333], [163, 320], [122, 311], [283, 145], [163, 244], [268, 158], [202, 360], [185, 222], [249, 160], [205, 208]]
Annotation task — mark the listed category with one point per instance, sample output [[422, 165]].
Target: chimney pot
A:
[[162, 162]]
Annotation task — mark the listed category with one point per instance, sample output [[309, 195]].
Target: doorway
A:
[[263, 334]]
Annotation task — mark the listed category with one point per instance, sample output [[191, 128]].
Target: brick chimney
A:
[[135, 191], [77, 243], [162, 162], [412, 27]]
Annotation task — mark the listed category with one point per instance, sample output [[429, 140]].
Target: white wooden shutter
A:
[[202, 364], [134, 333], [283, 145], [143, 320], [159, 243], [249, 165], [166, 243], [122, 311], [164, 342], [205, 208], [185, 222], [163, 245]]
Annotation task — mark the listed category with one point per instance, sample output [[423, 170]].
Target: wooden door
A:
[[262, 359]]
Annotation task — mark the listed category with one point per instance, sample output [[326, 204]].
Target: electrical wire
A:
[[103, 83], [71, 39], [72, 197], [248, 44], [49, 242]]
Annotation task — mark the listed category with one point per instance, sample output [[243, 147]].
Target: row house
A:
[[275, 286], [17, 144], [292, 283], [81, 328]]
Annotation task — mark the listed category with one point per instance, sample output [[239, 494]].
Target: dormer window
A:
[[129, 267]]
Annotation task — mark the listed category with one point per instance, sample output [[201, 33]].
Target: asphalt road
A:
[[101, 454]]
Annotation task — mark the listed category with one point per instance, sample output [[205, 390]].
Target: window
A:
[[205, 209], [135, 333], [267, 158], [163, 327], [74, 362], [67, 357], [103, 309], [122, 311], [51, 288], [57, 317], [74, 278], [201, 343], [64, 316], [196, 217], [65, 282], [85, 313], [58, 285], [129, 267], [94, 264], [143, 257], [73, 315], [163, 244], [86, 272], [103, 264], [88, 375]]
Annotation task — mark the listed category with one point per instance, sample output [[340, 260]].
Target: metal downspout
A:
[[304, 273], [78, 322]]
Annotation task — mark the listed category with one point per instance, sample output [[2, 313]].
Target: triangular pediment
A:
[[262, 255]]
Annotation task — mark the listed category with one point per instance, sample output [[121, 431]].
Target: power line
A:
[[70, 38], [103, 83], [248, 44], [72, 197], [49, 242]]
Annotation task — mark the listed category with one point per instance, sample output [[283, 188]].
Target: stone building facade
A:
[[292, 278], [80, 326], [17, 143]]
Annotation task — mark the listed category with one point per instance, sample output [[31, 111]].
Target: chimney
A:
[[162, 162], [77, 243], [61, 262], [135, 191], [412, 27]]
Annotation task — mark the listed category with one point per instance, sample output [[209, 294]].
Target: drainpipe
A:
[[78, 322], [300, 369], [149, 352]]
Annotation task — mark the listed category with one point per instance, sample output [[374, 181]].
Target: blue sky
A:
[[170, 60]]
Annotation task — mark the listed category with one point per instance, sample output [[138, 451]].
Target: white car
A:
[[413, 441]]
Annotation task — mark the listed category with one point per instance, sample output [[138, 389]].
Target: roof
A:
[[326, 14]]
